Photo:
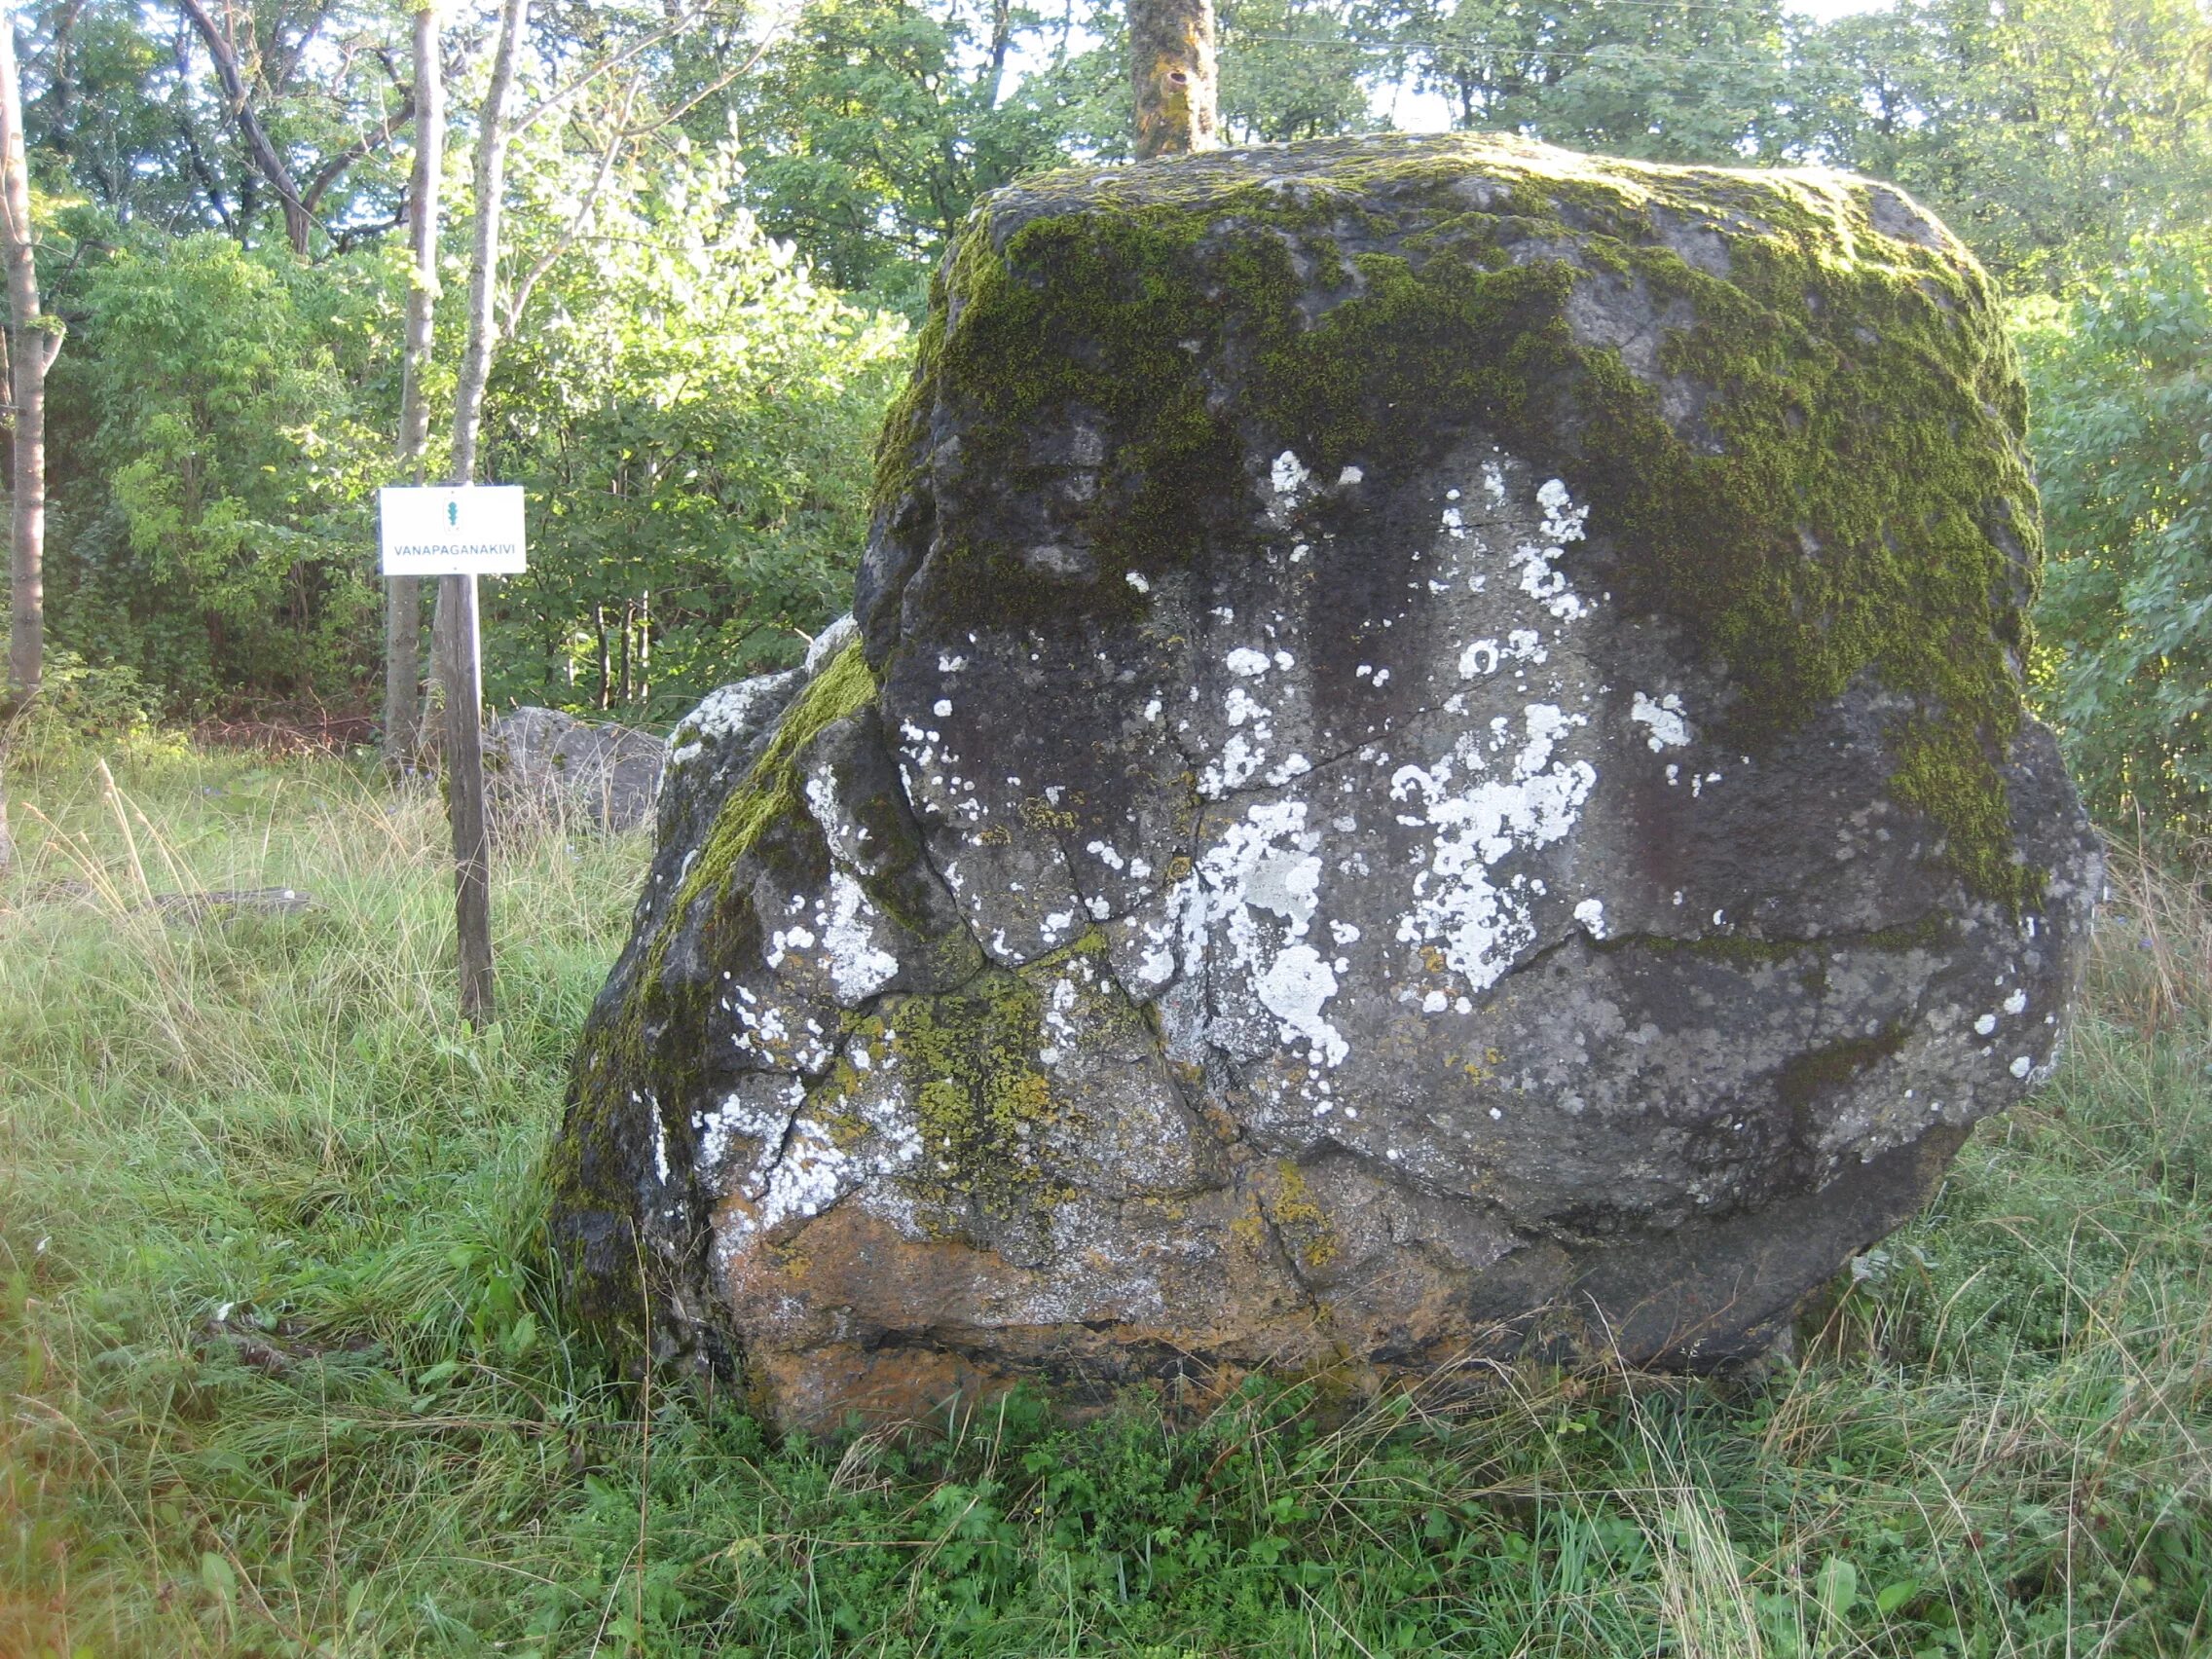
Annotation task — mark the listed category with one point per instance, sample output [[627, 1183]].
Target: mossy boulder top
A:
[[1430, 760]]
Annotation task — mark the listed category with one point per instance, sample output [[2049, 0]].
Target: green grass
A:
[[279, 1376]]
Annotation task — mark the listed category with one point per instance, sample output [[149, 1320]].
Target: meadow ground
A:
[[278, 1373]]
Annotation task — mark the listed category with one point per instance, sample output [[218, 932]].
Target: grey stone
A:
[[546, 768], [1324, 879]]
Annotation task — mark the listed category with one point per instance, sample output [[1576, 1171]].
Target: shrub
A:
[[2122, 435]]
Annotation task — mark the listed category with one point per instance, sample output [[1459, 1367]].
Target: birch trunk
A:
[[459, 641], [32, 349], [493, 135], [492, 139], [403, 597]]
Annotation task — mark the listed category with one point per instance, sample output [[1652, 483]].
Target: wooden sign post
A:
[[458, 534]]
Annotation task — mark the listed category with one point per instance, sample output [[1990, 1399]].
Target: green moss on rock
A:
[[650, 1025], [1847, 495], [770, 789]]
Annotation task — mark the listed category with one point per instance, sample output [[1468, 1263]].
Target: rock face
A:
[[1433, 764], [709, 750], [546, 767]]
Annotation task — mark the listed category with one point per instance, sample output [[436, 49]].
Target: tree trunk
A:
[[32, 349], [491, 180], [456, 628], [492, 137], [1002, 37], [403, 595], [1172, 69]]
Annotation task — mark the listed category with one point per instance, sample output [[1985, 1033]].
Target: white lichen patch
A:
[[810, 1175], [1562, 518], [720, 714], [784, 942], [1063, 1037], [1245, 910], [1547, 585], [1238, 764], [761, 1122], [858, 966], [1667, 726], [1294, 986], [1479, 822], [830, 641], [1484, 657]]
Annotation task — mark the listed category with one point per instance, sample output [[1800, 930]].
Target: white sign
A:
[[445, 531]]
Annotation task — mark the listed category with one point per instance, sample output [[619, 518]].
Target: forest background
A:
[[721, 221]]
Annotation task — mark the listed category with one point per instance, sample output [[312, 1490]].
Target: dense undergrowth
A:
[[279, 1376]]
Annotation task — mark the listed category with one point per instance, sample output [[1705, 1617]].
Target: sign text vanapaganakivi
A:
[[445, 531]]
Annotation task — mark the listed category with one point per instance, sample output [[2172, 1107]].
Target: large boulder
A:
[[1434, 766]]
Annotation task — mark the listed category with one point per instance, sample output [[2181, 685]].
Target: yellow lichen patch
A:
[[1041, 814], [1249, 1231], [981, 1098], [1305, 1226], [1477, 1068]]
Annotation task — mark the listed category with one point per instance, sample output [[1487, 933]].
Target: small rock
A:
[[547, 769]]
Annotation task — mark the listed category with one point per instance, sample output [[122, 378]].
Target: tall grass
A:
[[281, 1378]]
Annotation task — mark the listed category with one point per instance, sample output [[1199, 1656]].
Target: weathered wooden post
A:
[[458, 535]]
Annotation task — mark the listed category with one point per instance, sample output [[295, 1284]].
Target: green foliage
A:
[[286, 1377], [122, 109], [691, 414], [2124, 443], [1287, 71], [877, 122], [80, 707], [216, 513], [2046, 133], [1689, 81]]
